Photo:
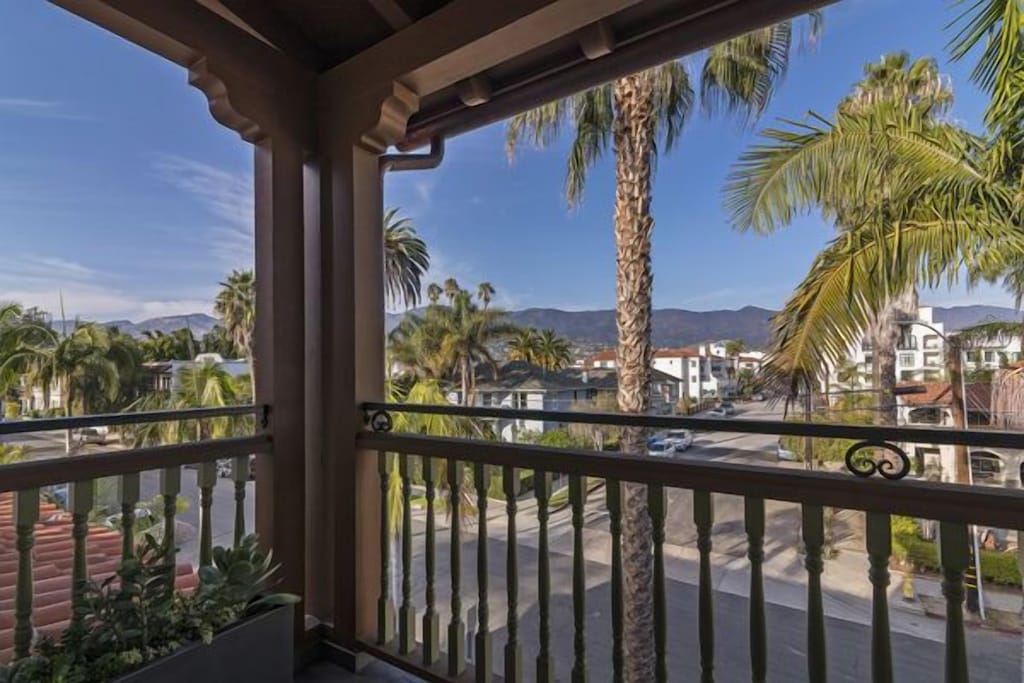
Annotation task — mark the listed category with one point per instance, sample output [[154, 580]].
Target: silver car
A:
[[679, 439]]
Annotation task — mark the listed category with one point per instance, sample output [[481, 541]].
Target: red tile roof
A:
[[52, 557], [979, 395], [685, 352], [607, 354]]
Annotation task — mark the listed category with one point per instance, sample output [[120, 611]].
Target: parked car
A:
[[759, 396], [782, 453], [91, 435], [680, 439], [728, 407], [718, 412], [660, 449]]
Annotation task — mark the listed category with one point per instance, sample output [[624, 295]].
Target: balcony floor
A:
[[378, 672]]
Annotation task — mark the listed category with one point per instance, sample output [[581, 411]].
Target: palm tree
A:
[[998, 72], [638, 116], [84, 366], [553, 352], [912, 201], [236, 306], [18, 330], [434, 292], [484, 292], [451, 289], [524, 345], [202, 385], [449, 342], [848, 374], [469, 334], [405, 260]]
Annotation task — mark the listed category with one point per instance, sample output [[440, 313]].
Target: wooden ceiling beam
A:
[[277, 30], [185, 31], [461, 40], [252, 87], [680, 36], [392, 13]]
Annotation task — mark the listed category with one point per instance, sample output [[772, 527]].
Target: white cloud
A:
[[227, 196], [47, 282], [45, 109]]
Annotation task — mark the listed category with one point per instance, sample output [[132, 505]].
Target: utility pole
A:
[[962, 466]]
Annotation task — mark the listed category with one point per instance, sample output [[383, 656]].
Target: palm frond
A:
[[853, 278]]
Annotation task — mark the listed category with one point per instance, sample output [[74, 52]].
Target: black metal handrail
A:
[[871, 433], [109, 419]]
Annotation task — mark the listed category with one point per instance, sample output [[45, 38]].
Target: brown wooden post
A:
[[354, 131], [279, 356]]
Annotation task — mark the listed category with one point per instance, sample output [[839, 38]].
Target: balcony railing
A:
[[426, 632], [90, 551]]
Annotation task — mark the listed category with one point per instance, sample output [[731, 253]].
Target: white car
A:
[[785, 454], [717, 412], [660, 449], [96, 435], [680, 439]]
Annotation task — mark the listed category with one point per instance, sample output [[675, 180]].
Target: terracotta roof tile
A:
[[53, 555]]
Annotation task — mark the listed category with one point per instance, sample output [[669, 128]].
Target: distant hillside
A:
[[200, 324], [959, 317], [672, 326], [677, 327]]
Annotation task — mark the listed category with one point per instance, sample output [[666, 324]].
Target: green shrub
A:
[[135, 617], [996, 567], [11, 410]]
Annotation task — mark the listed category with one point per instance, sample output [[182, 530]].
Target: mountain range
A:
[[679, 327], [199, 323], [596, 329]]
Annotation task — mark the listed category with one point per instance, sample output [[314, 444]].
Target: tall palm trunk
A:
[[886, 336], [634, 146]]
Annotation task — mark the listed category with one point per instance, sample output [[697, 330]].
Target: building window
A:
[[990, 356], [907, 359], [486, 399], [522, 401], [926, 416], [693, 378]]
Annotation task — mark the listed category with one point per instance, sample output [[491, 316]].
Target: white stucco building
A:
[[526, 386]]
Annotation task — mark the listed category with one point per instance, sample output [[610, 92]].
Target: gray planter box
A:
[[257, 650]]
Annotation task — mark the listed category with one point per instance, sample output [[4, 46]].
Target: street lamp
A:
[[955, 362]]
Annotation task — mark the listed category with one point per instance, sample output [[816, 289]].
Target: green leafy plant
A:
[[135, 617]]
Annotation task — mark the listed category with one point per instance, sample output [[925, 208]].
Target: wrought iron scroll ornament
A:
[[866, 465], [380, 421]]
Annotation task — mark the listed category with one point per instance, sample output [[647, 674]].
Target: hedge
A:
[[996, 567]]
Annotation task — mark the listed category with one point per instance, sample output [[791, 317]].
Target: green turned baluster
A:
[[456, 627], [753, 514], [207, 479], [431, 620], [26, 514], [953, 539], [613, 492], [879, 541], [814, 541], [170, 487], [482, 644], [578, 497], [513, 649], [128, 493], [385, 604], [545, 665], [656, 509], [240, 472], [407, 612], [703, 518], [80, 501]]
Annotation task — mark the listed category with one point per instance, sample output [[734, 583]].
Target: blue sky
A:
[[118, 190]]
